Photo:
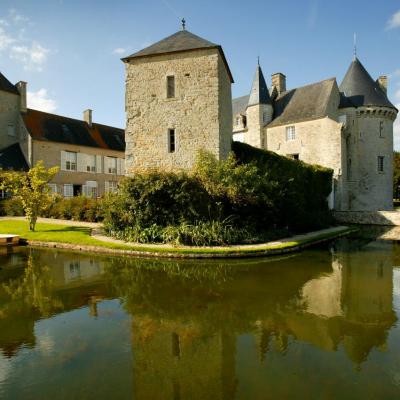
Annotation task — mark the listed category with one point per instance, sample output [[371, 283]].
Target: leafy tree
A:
[[396, 174], [31, 189]]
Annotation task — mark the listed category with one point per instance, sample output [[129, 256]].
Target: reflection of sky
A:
[[396, 288], [73, 351]]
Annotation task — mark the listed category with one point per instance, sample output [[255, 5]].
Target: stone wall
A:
[[255, 123], [368, 217], [200, 112], [9, 116], [50, 154]]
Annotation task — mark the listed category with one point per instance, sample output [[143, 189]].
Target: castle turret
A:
[[259, 110], [369, 140]]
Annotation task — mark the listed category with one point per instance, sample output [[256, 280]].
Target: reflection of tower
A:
[[175, 360]]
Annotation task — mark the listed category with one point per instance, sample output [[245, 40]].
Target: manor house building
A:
[[90, 155], [178, 101]]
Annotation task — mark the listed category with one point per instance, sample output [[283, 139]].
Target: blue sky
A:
[[69, 51]]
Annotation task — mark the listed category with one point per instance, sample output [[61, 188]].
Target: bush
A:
[[12, 207]]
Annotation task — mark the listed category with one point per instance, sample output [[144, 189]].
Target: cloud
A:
[[32, 57], [40, 101], [394, 21], [16, 17], [5, 39], [119, 50]]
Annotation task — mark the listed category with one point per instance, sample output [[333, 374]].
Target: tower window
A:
[[171, 140], [170, 87], [380, 128], [381, 163], [238, 120], [290, 133]]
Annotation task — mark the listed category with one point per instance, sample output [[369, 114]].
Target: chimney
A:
[[21, 86], [382, 81], [279, 82], [87, 116]]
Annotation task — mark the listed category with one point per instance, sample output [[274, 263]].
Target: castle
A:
[[178, 101]]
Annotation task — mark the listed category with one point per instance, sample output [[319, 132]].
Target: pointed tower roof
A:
[[178, 42], [6, 85], [359, 87], [259, 91]]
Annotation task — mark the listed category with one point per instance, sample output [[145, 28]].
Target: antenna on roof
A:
[[355, 46], [183, 24]]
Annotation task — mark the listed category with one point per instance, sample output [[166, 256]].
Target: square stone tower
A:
[[178, 101]]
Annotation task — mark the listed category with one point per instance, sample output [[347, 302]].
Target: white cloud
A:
[[16, 17], [394, 21], [40, 101], [32, 57], [5, 39], [119, 50]]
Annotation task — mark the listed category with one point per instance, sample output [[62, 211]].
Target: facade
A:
[[348, 128], [90, 156], [178, 101]]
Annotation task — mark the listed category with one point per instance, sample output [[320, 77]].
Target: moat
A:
[[320, 324]]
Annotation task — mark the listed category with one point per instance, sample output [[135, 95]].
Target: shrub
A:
[[12, 207]]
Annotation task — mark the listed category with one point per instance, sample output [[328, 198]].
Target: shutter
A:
[[81, 162], [63, 160], [99, 163]]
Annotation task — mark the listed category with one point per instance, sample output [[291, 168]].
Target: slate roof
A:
[[6, 85], [12, 158], [239, 105], [360, 89], [179, 42], [259, 91], [55, 128]]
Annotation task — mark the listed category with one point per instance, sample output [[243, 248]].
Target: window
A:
[[53, 188], [70, 161], [293, 156], [349, 169], [381, 160], [290, 133], [170, 87], [111, 165], [68, 190], [265, 117], [171, 140], [380, 128], [90, 163], [90, 189], [111, 186], [11, 130], [238, 120]]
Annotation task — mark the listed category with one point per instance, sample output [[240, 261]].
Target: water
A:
[[321, 324]]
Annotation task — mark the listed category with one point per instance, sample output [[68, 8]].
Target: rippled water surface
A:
[[322, 324]]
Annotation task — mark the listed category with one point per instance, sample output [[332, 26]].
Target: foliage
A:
[[12, 207], [396, 175], [31, 189]]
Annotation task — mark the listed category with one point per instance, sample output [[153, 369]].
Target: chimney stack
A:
[[21, 86], [279, 82], [87, 116], [383, 83]]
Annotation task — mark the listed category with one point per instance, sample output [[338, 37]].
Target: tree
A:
[[31, 189], [396, 175]]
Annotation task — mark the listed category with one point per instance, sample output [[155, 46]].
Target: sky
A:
[[69, 50]]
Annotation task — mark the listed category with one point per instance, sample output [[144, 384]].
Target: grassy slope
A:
[[81, 236]]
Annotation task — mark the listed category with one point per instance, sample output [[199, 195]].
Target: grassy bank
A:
[[79, 238]]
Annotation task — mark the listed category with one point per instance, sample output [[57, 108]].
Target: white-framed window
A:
[[170, 86], [90, 189], [171, 141], [68, 190], [111, 186], [11, 130], [290, 132], [381, 163], [70, 160], [53, 188], [111, 167], [90, 163]]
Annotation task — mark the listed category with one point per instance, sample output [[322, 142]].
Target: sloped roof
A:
[[239, 105], [259, 91], [178, 42], [12, 158], [55, 128], [359, 87], [6, 85]]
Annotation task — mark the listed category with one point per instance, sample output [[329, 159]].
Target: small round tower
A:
[[368, 168]]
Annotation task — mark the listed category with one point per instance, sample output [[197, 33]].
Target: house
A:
[[90, 155]]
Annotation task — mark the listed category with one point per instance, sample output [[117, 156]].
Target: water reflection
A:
[[218, 329]]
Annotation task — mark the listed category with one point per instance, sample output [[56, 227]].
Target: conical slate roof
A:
[[6, 85], [360, 89], [178, 42], [259, 91]]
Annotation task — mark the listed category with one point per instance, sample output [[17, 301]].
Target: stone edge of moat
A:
[[287, 245]]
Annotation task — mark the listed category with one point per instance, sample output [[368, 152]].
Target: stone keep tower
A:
[[178, 101], [259, 110], [369, 140]]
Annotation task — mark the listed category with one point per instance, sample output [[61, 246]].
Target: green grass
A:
[[80, 236]]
